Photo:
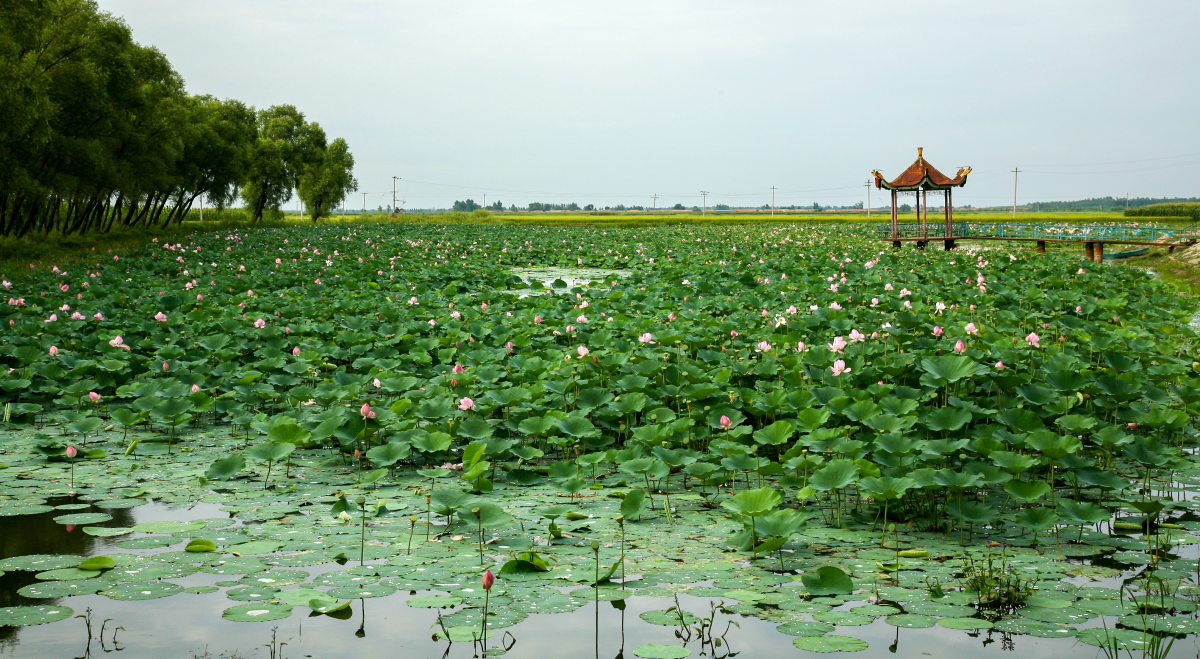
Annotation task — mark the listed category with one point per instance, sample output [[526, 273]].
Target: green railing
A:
[[1071, 232]]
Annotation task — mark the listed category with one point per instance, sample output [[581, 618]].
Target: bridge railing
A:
[[1072, 232]]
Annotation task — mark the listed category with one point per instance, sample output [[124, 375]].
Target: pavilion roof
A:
[[922, 176]]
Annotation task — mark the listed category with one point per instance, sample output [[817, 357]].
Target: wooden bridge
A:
[[1092, 237]]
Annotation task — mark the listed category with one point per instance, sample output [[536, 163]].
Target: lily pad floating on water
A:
[[106, 531], [201, 590], [830, 643], [83, 518], [18, 616], [433, 601], [1035, 628], [67, 573], [39, 562], [168, 527], [911, 621], [146, 590], [657, 651], [252, 593], [257, 612], [667, 618], [964, 623], [49, 589], [463, 633], [255, 547], [804, 628]]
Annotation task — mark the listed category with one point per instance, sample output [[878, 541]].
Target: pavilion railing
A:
[[1072, 232]]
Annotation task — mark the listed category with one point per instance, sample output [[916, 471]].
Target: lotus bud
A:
[[72, 452], [488, 580]]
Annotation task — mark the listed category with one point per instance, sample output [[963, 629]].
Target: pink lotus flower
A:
[[432, 323], [458, 368], [733, 333], [960, 347], [763, 346], [452, 465], [260, 323], [93, 396], [725, 422], [455, 315], [195, 388], [999, 366], [838, 368], [874, 301], [939, 307], [53, 351], [581, 319], [839, 344], [583, 351], [483, 306], [971, 329], [570, 328], [488, 580], [377, 383], [296, 351], [72, 452], [1079, 309], [366, 412], [1133, 425], [116, 341], [53, 317], [671, 316], [646, 338], [166, 367], [454, 382], [98, 316], [1033, 340], [764, 313], [160, 317], [800, 347], [537, 320], [937, 331], [412, 300], [835, 306], [856, 336], [904, 292], [888, 287]]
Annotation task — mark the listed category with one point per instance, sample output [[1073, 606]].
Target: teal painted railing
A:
[[1072, 232]]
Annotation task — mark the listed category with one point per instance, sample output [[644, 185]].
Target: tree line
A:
[[100, 132]]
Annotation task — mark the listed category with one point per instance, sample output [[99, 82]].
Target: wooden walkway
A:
[[1092, 237]]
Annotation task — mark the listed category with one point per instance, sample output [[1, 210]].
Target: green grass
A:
[[1183, 276]]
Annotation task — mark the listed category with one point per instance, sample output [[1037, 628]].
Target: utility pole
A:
[[364, 203], [1126, 206], [485, 201], [202, 207], [868, 184], [1016, 172], [394, 179], [773, 201], [654, 207], [704, 202]]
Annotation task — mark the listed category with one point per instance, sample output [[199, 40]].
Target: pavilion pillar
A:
[[1090, 251], [1099, 256], [1041, 247], [949, 223], [895, 222], [923, 213]]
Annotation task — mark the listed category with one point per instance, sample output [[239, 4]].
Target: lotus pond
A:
[[765, 441]]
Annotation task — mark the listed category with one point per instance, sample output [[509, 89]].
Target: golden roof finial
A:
[[919, 156]]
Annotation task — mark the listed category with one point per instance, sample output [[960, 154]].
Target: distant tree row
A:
[[99, 132]]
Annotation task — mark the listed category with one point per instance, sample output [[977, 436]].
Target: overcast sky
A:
[[612, 102]]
